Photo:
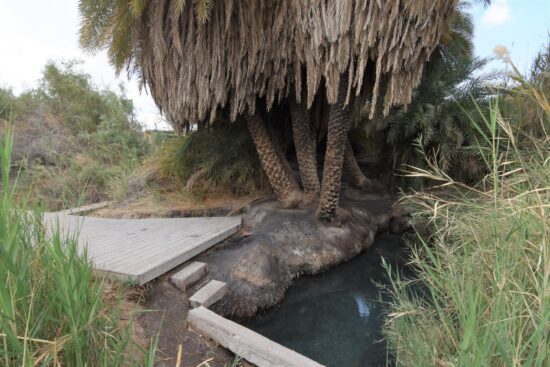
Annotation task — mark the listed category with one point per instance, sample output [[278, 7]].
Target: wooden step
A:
[[189, 275], [211, 293], [244, 342]]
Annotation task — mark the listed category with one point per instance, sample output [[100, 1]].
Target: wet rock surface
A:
[[277, 245]]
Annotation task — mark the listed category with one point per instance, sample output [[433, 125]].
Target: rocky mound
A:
[[277, 245]]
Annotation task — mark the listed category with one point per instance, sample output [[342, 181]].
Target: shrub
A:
[[435, 122], [526, 115], [72, 139], [222, 158]]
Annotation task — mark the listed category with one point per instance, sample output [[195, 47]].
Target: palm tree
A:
[[227, 56]]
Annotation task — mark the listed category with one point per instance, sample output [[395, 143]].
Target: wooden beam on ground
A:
[[244, 342], [86, 208]]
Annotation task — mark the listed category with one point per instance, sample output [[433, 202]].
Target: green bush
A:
[[222, 158], [526, 115]]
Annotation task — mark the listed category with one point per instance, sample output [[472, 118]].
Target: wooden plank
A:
[[172, 243], [143, 249], [175, 241], [244, 342], [142, 242], [144, 277], [86, 208]]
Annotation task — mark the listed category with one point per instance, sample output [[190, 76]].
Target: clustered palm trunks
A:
[[206, 57]]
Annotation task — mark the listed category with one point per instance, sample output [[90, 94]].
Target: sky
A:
[[35, 31], [523, 26]]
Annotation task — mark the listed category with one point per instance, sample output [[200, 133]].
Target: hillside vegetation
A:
[[73, 142]]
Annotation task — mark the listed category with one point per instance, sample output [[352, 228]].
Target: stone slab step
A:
[[211, 293], [244, 342], [189, 275]]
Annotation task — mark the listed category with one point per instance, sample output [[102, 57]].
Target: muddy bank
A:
[[277, 245]]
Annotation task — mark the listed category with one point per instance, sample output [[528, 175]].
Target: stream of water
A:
[[335, 318]]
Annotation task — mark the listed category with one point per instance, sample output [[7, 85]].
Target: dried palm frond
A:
[[200, 56]]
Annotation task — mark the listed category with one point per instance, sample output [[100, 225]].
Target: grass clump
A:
[[485, 269], [217, 161], [53, 311]]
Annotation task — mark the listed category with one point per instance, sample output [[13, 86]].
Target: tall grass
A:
[[484, 271], [52, 308]]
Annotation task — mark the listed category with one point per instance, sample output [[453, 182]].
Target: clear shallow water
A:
[[335, 317]]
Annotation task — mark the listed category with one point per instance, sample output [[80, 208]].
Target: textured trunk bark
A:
[[351, 167], [305, 144], [282, 183], [338, 125]]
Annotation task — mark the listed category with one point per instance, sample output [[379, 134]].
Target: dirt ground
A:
[[166, 316], [179, 206]]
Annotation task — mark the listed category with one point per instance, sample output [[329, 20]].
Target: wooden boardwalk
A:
[[142, 249]]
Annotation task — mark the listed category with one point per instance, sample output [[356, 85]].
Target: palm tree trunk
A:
[[352, 168], [281, 182], [338, 125], [305, 145]]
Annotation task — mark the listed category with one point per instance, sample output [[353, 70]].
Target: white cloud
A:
[[498, 13]]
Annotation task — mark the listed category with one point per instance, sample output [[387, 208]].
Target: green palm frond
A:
[[114, 25], [178, 6], [203, 10]]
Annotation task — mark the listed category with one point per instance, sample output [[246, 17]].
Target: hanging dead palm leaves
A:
[[253, 48]]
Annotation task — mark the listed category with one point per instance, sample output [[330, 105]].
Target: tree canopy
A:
[[199, 59]]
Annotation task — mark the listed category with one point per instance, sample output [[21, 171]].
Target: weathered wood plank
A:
[[86, 208], [143, 249], [244, 342], [169, 243]]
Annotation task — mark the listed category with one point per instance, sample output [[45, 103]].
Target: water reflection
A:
[[362, 306]]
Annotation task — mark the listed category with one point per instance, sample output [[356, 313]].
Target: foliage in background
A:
[[53, 311], [527, 115], [218, 160], [72, 140], [485, 270], [436, 120]]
